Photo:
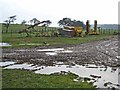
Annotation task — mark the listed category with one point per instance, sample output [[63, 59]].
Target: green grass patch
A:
[[26, 79], [18, 40]]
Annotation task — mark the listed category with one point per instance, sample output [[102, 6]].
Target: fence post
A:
[[103, 31], [109, 31], [112, 31], [11, 32]]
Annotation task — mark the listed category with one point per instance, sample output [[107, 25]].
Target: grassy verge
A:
[[18, 40], [27, 79]]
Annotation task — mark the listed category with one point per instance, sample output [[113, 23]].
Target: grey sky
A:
[[105, 11]]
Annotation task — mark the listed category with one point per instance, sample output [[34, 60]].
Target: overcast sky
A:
[[105, 11]]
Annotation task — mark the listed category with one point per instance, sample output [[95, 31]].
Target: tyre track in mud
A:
[[103, 52]]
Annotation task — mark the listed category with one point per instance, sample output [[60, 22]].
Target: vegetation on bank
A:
[[20, 40], [27, 79]]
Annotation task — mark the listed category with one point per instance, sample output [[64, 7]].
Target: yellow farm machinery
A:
[[91, 31], [71, 31]]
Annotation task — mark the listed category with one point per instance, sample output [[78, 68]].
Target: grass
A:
[[18, 39], [16, 27], [26, 79]]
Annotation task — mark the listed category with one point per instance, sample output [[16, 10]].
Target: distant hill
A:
[[108, 26]]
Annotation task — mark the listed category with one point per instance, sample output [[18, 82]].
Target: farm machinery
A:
[[71, 31], [92, 31]]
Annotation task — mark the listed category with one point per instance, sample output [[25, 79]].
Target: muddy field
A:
[[104, 52]]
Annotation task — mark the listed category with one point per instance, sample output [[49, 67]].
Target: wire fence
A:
[[48, 31], [108, 31]]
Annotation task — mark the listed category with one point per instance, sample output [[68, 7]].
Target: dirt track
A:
[[103, 52]]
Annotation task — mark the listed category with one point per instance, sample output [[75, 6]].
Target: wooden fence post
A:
[[109, 31], [11, 32]]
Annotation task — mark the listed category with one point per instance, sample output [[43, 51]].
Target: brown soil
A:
[[103, 52]]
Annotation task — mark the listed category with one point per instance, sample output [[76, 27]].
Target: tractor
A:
[[71, 31]]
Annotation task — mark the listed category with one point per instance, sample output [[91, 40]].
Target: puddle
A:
[[23, 66], [22, 50], [59, 63], [6, 63], [67, 51], [101, 74], [106, 74], [54, 51], [107, 45], [4, 44], [51, 53], [8, 53], [31, 44], [118, 57], [51, 50]]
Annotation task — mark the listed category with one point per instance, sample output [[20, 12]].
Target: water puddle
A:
[[67, 51], [102, 76], [23, 66], [51, 50], [51, 53], [54, 51], [118, 57], [6, 63], [4, 44], [30, 44], [22, 50]]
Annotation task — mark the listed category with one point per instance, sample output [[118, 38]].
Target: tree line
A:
[[35, 22]]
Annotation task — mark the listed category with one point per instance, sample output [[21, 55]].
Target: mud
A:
[[103, 52], [97, 61]]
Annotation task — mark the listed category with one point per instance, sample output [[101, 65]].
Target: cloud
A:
[[105, 11]]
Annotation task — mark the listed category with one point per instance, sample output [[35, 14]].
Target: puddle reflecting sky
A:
[[107, 74], [4, 44], [7, 63], [54, 51]]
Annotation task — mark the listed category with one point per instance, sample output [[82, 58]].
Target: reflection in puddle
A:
[[51, 53], [30, 44], [67, 51], [118, 57], [22, 66], [51, 50], [6, 63], [54, 51], [98, 74], [82, 71], [4, 44]]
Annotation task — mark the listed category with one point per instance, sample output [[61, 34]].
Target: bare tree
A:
[[26, 30], [46, 24], [8, 22], [34, 21]]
